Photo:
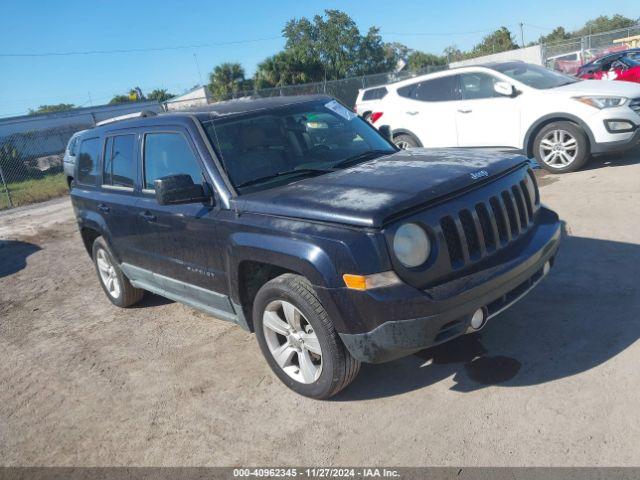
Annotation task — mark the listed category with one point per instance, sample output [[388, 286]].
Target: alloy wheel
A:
[[558, 148], [108, 273], [292, 341]]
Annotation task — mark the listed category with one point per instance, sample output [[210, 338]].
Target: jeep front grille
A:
[[474, 233], [635, 105]]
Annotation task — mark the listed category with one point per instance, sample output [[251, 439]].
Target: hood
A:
[[601, 87], [369, 193]]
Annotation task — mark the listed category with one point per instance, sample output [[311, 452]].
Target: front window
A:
[[477, 85], [534, 76], [168, 154], [264, 149]]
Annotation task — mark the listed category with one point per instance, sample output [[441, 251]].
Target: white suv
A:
[[557, 119]]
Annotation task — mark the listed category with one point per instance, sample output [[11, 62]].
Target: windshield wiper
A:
[[302, 171], [368, 155]]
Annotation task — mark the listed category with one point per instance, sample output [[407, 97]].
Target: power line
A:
[[137, 50]]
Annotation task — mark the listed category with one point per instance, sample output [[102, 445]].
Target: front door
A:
[[179, 243], [484, 117]]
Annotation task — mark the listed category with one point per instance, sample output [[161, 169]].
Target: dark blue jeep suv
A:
[[297, 220]]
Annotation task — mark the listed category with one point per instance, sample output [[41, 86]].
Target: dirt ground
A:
[[552, 381]]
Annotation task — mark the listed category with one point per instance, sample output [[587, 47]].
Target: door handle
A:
[[148, 216], [464, 110], [413, 113], [103, 208]]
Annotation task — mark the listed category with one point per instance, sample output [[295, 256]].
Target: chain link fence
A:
[[31, 167], [568, 55]]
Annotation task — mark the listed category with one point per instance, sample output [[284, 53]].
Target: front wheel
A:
[[298, 339], [561, 147]]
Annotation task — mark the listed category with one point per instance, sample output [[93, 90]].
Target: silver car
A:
[[69, 159]]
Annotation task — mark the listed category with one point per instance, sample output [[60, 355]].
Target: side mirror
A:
[[385, 131], [176, 189], [504, 88]]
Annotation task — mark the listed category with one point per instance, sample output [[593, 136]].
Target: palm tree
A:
[[226, 80]]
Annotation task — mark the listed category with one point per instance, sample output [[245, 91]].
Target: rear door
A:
[[118, 196], [484, 117], [427, 108]]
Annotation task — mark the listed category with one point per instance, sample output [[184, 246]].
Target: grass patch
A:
[[32, 191]]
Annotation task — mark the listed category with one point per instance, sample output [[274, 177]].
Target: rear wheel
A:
[[561, 147], [298, 339], [116, 286], [404, 141]]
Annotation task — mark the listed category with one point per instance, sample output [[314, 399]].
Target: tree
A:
[[330, 47], [226, 80], [453, 54], [284, 69], [59, 107], [557, 34], [499, 41], [160, 95], [120, 99], [419, 60], [603, 23]]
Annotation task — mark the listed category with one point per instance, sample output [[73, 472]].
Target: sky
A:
[[216, 31]]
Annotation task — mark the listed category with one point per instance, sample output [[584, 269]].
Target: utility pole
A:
[[522, 34], [90, 101], [195, 58]]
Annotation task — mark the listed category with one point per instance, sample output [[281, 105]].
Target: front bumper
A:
[[444, 312], [629, 141]]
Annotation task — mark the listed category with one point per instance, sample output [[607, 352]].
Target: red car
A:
[[623, 66]]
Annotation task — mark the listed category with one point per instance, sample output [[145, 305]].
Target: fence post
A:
[[6, 188]]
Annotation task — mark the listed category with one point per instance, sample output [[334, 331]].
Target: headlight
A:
[[411, 245], [602, 102], [531, 190]]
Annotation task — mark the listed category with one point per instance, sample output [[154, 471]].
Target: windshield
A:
[[268, 148], [534, 76]]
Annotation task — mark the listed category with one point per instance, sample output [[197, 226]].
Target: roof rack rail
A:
[[142, 114]]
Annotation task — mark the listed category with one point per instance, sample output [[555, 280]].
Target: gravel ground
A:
[[552, 381]]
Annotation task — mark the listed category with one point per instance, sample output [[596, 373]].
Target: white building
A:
[[193, 98]]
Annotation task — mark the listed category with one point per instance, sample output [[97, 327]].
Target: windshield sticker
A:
[[340, 110]]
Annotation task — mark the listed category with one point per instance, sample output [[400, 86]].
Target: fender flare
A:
[[527, 146], [91, 220], [293, 254], [404, 131]]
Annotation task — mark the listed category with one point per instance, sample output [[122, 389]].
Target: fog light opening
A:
[[619, 126], [478, 319]]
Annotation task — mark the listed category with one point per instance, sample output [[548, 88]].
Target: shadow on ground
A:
[[583, 314], [13, 256]]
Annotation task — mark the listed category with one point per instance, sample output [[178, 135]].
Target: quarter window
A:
[[475, 86], [119, 161], [88, 161], [442, 89], [168, 154]]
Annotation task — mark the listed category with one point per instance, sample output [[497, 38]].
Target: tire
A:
[[561, 147], [404, 141], [325, 374], [120, 292]]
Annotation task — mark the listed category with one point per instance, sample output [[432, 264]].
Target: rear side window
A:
[[119, 161], [73, 144], [374, 94], [88, 161], [168, 154], [441, 89]]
